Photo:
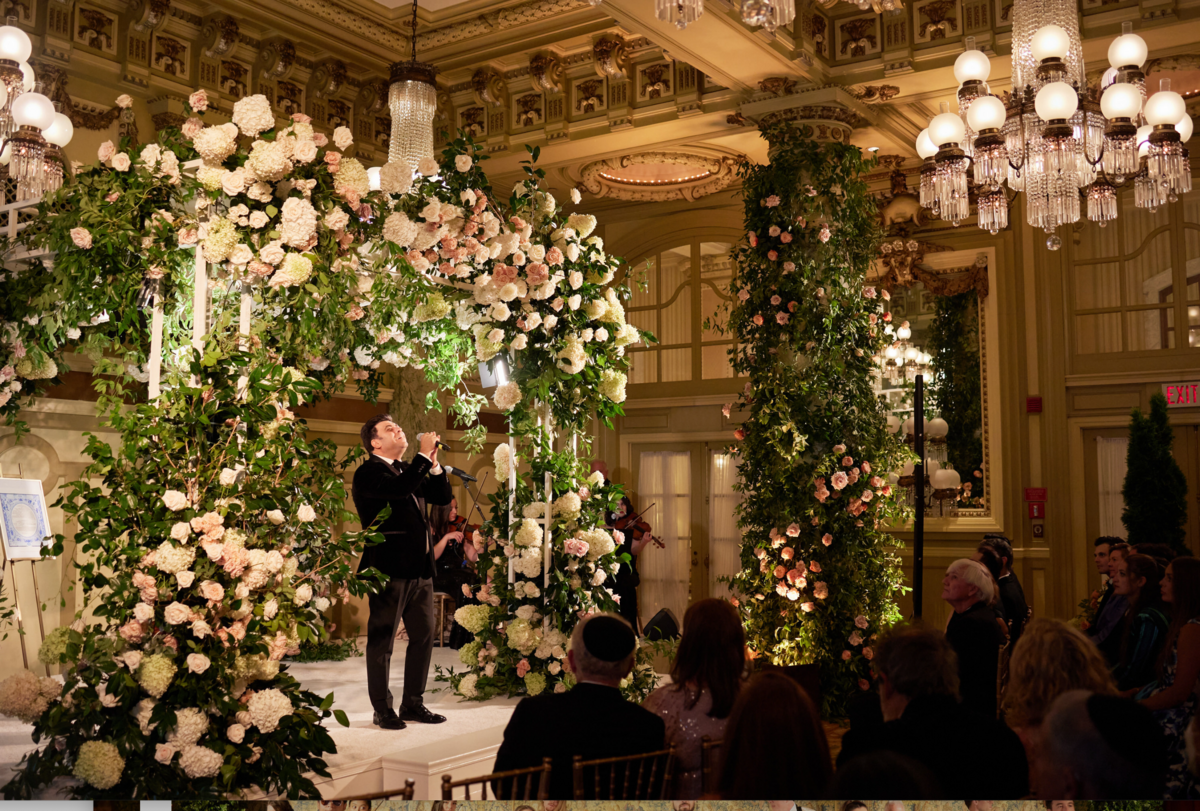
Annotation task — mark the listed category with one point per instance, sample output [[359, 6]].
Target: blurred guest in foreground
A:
[[705, 679], [1099, 747], [775, 745], [1145, 625], [918, 688], [973, 634]]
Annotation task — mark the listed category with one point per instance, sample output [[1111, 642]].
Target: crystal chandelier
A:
[[770, 14], [1058, 140], [16, 76], [57, 136], [412, 99], [32, 113], [680, 12], [902, 360]]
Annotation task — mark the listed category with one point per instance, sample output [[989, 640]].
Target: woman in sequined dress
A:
[[705, 679]]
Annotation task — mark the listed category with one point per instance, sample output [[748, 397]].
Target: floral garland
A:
[[210, 548], [819, 577]]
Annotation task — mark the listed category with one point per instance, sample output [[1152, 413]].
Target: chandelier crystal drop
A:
[[770, 14], [1055, 138], [681, 13], [412, 100]]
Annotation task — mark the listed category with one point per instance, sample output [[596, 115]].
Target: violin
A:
[[460, 525], [633, 524]]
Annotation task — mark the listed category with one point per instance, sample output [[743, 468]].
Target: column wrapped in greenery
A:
[[820, 576], [1155, 489]]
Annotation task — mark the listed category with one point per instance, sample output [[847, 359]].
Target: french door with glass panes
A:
[[686, 490]]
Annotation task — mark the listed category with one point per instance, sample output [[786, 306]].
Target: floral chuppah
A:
[[205, 547], [819, 578]]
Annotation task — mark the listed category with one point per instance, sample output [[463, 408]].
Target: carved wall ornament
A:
[[219, 36], [589, 96], [276, 59], [339, 113], [941, 19], [954, 281], [372, 97], [163, 121], [737, 119], [700, 175], [778, 85], [149, 15], [528, 110], [474, 121], [859, 36], [234, 76], [327, 78], [875, 93], [821, 123], [171, 56], [819, 35], [655, 81], [611, 57], [24, 10], [96, 29], [900, 258], [546, 70], [289, 98], [489, 86]]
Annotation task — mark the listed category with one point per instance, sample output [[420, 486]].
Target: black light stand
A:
[[919, 495]]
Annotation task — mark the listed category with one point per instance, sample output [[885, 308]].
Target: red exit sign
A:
[[1182, 395]]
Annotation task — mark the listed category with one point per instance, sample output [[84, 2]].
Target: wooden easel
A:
[[12, 567]]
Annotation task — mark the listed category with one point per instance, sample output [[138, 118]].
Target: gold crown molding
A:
[[489, 24], [345, 18], [723, 171]]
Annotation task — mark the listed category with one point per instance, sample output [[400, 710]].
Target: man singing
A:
[[406, 557]]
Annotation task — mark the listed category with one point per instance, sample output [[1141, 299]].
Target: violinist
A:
[[455, 560], [637, 535]]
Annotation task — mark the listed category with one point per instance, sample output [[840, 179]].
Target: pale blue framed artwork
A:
[[24, 521]]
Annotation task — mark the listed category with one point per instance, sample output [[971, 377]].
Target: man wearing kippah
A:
[[592, 719]]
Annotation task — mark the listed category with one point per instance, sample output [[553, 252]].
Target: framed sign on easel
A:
[[25, 532]]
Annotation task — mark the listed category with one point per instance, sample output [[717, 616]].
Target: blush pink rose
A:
[[81, 237]]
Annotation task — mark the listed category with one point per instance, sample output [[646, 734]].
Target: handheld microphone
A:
[[440, 444], [460, 473]]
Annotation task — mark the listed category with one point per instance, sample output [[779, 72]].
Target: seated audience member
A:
[[775, 745], [1052, 658], [1101, 748], [592, 719], [881, 774], [1145, 625], [918, 688], [1016, 609], [1192, 740], [1110, 616], [705, 679], [1159, 551], [991, 561], [1060, 805], [1172, 696], [854, 805], [973, 634]]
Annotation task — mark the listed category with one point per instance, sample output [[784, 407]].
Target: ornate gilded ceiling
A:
[[590, 84]]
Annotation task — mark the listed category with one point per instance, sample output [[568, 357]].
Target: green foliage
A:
[[8, 610], [819, 577], [333, 650], [1155, 488], [956, 393]]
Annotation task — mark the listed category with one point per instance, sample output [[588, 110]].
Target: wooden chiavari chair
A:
[[632, 777], [517, 784]]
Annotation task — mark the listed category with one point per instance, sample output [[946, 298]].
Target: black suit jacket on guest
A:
[[405, 552], [969, 753], [590, 720], [976, 639], [1016, 610]]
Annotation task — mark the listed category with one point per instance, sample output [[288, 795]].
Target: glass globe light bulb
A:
[[373, 177], [926, 148], [986, 113], [1165, 107], [1184, 128], [1050, 42], [891, 353], [1143, 140], [910, 354], [14, 44], [1127, 50], [28, 79], [904, 333], [1056, 101], [972, 66], [33, 110], [1121, 101], [946, 128], [60, 131]]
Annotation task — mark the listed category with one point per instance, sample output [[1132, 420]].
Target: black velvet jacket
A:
[[405, 552]]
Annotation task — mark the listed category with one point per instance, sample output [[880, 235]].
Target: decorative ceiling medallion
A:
[[659, 176]]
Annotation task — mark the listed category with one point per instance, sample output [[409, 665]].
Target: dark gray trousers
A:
[[412, 601]]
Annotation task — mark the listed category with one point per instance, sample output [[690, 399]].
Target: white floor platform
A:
[[370, 759]]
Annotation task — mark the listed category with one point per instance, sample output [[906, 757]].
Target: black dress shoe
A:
[[420, 714], [388, 720]]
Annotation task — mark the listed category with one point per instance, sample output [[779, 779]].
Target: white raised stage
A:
[[368, 759]]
